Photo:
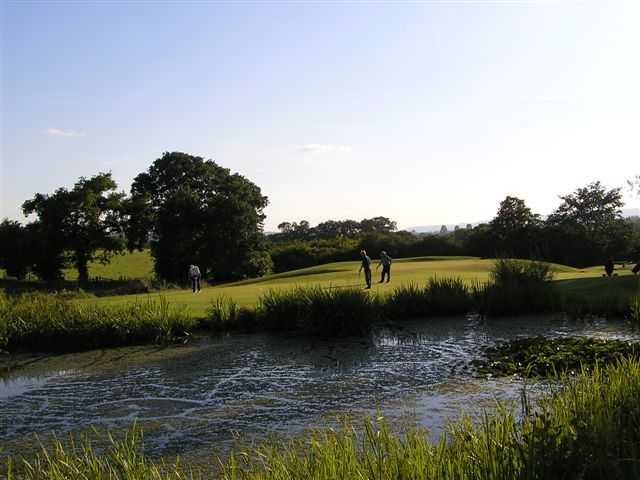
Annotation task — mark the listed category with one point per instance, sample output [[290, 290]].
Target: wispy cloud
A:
[[325, 148], [61, 132]]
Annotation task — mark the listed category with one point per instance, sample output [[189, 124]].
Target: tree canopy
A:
[[78, 225], [195, 211]]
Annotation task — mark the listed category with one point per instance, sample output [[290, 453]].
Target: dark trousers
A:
[[367, 277], [195, 281], [386, 270]]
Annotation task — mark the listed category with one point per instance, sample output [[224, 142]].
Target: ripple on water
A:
[[259, 384]]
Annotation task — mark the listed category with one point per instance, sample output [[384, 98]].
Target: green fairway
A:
[[345, 274], [121, 267]]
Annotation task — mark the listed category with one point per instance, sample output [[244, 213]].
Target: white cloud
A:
[[325, 148], [60, 132]]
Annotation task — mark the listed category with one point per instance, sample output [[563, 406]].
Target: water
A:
[[192, 399]]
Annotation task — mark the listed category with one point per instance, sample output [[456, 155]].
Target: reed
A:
[[40, 322]]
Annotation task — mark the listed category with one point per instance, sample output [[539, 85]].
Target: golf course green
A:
[[345, 274]]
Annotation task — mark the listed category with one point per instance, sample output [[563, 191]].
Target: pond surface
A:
[[192, 399]]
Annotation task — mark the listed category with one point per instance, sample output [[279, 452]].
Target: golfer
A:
[[194, 275], [366, 266], [385, 261]]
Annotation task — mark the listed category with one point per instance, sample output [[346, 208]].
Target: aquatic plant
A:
[[588, 429], [40, 322], [550, 357]]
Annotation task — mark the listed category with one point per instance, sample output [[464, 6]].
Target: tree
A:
[[79, 225], [514, 228], [444, 230], [588, 226], [593, 208], [377, 225], [197, 212], [15, 254]]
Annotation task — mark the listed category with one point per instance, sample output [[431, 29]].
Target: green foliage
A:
[[317, 311], [587, 430], [199, 213], [224, 314], [516, 287], [16, 252], [38, 322], [84, 223], [544, 357], [440, 296], [298, 254]]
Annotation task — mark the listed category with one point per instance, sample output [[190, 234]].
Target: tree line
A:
[[188, 210], [184, 208], [586, 229]]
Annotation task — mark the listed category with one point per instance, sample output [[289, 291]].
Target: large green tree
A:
[[514, 228], [77, 226], [588, 225], [15, 254], [194, 211]]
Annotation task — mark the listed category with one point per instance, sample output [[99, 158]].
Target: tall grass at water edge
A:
[[40, 322], [588, 429]]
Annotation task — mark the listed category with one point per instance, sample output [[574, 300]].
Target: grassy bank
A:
[[47, 323], [40, 322], [586, 430], [344, 275]]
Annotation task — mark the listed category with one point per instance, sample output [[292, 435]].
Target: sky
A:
[[426, 112]]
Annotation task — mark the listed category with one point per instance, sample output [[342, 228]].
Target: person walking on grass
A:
[[194, 275], [385, 261], [366, 266]]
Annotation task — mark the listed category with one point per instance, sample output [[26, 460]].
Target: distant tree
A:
[[285, 227], [198, 212], [377, 225], [514, 228], [15, 255], [444, 230], [513, 215], [79, 225], [589, 224], [593, 208], [469, 226]]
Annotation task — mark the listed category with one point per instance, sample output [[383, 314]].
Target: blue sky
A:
[[428, 112]]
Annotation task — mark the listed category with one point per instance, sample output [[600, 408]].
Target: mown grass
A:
[[588, 429], [46, 323], [344, 275], [40, 322]]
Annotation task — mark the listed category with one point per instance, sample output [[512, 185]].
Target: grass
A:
[[40, 322], [344, 275], [589, 429]]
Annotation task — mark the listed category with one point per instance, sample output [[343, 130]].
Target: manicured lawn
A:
[[126, 266], [345, 274]]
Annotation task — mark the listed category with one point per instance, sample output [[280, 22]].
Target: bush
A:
[[516, 287]]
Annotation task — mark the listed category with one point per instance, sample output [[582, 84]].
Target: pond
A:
[[194, 398]]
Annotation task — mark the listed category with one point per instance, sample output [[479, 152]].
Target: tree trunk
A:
[[83, 272]]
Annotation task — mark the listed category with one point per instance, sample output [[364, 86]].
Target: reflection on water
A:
[[194, 398]]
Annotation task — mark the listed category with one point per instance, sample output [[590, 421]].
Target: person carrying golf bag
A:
[[366, 266], [385, 261]]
